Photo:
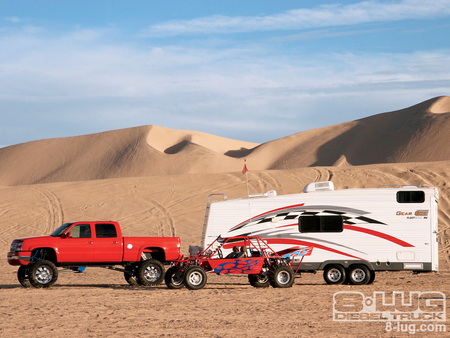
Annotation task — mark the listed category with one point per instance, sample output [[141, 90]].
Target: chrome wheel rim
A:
[[334, 275], [283, 277], [44, 274], [358, 275], [195, 278], [152, 274]]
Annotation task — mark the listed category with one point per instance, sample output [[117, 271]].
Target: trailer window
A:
[[410, 197], [105, 230], [320, 224]]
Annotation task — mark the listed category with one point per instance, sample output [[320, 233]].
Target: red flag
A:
[[245, 169]]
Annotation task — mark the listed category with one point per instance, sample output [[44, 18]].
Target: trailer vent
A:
[[319, 186]]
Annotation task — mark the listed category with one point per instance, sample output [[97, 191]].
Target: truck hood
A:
[[29, 243]]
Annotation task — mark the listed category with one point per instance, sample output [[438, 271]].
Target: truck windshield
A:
[[58, 232]]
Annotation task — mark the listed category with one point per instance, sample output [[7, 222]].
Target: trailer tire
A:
[[23, 276], [259, 281], [174, 278], [359, 275], [195, 278], [282, 277], [43, 274], [372, 277], [150, 272], [334, 274]]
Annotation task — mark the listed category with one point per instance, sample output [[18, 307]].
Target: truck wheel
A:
[[43, 274], [23, 276], [259, 281], [359, 275], [130, 275], [194, 278], [150, 272], [334, 274], [282, 277], [174, 278]]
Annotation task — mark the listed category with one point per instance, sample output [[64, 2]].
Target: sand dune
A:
[[414, 134]]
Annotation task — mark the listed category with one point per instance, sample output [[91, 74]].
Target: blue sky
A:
[[250, 70]]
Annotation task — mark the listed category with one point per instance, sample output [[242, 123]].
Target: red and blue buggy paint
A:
[[256, 259]]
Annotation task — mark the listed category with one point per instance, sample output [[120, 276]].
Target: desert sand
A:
[[155, 182]]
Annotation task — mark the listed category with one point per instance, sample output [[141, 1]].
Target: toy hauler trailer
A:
[[353, 232]]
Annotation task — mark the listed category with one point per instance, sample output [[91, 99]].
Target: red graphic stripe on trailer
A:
[[265, 213], [298, 242], [379, 234]]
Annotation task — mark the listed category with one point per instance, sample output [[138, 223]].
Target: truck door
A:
[[78, 246], [107, 244]]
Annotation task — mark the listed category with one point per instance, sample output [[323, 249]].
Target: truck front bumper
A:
[[19, 258]]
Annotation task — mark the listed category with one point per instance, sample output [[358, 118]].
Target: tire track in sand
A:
[[53, 210]]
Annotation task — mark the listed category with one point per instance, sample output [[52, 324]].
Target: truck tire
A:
[[130, 275], [174, 278], [359, 275], [334, 274], [43, 274], [150, 272], [282, 277], [195, 278], [23, 276], [259, 281]]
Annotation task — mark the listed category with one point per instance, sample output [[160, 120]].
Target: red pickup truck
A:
[[76, 245]]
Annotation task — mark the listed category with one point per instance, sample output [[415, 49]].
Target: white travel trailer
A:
[[353, 232]]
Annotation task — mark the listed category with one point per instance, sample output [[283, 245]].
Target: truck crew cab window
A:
[[81, 231], [410, 196], [105, 230], [312, 223]]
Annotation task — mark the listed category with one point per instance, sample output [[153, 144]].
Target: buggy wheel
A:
[[43, 274], [259, 281], [150, 272], [174, 278], [334, 274], [359, 275], [194, 278], [282, 277], [23, 276], [131, 275]]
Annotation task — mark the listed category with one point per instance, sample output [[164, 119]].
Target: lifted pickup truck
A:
[[75, 246]]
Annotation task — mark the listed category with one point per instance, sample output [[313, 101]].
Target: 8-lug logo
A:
[[395, 306]]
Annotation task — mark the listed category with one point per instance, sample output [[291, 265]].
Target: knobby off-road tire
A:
[[359, 275], [23, 276], [150, 272], [259, 281], [131, 275], [282, 277], [334, 274], [174, 278], [43, 274], [194, 278]]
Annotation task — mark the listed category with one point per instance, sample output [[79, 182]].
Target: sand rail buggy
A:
[[263, 265]]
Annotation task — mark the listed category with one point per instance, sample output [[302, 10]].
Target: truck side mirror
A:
[[68, 235]]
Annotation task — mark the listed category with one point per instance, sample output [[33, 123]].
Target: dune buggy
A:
[[263, 265]]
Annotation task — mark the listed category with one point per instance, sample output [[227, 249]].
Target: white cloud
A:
[[321, 16], [14, 19]]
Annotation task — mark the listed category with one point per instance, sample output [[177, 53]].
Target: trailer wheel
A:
[[174, 278], [282, 277], [23, 276], [43, 274], [372, 277], [359, 275], [259, 281], [334, 274], [150, 272], [194, 278]]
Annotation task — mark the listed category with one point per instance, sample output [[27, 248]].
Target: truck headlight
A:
[[16, 246]]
